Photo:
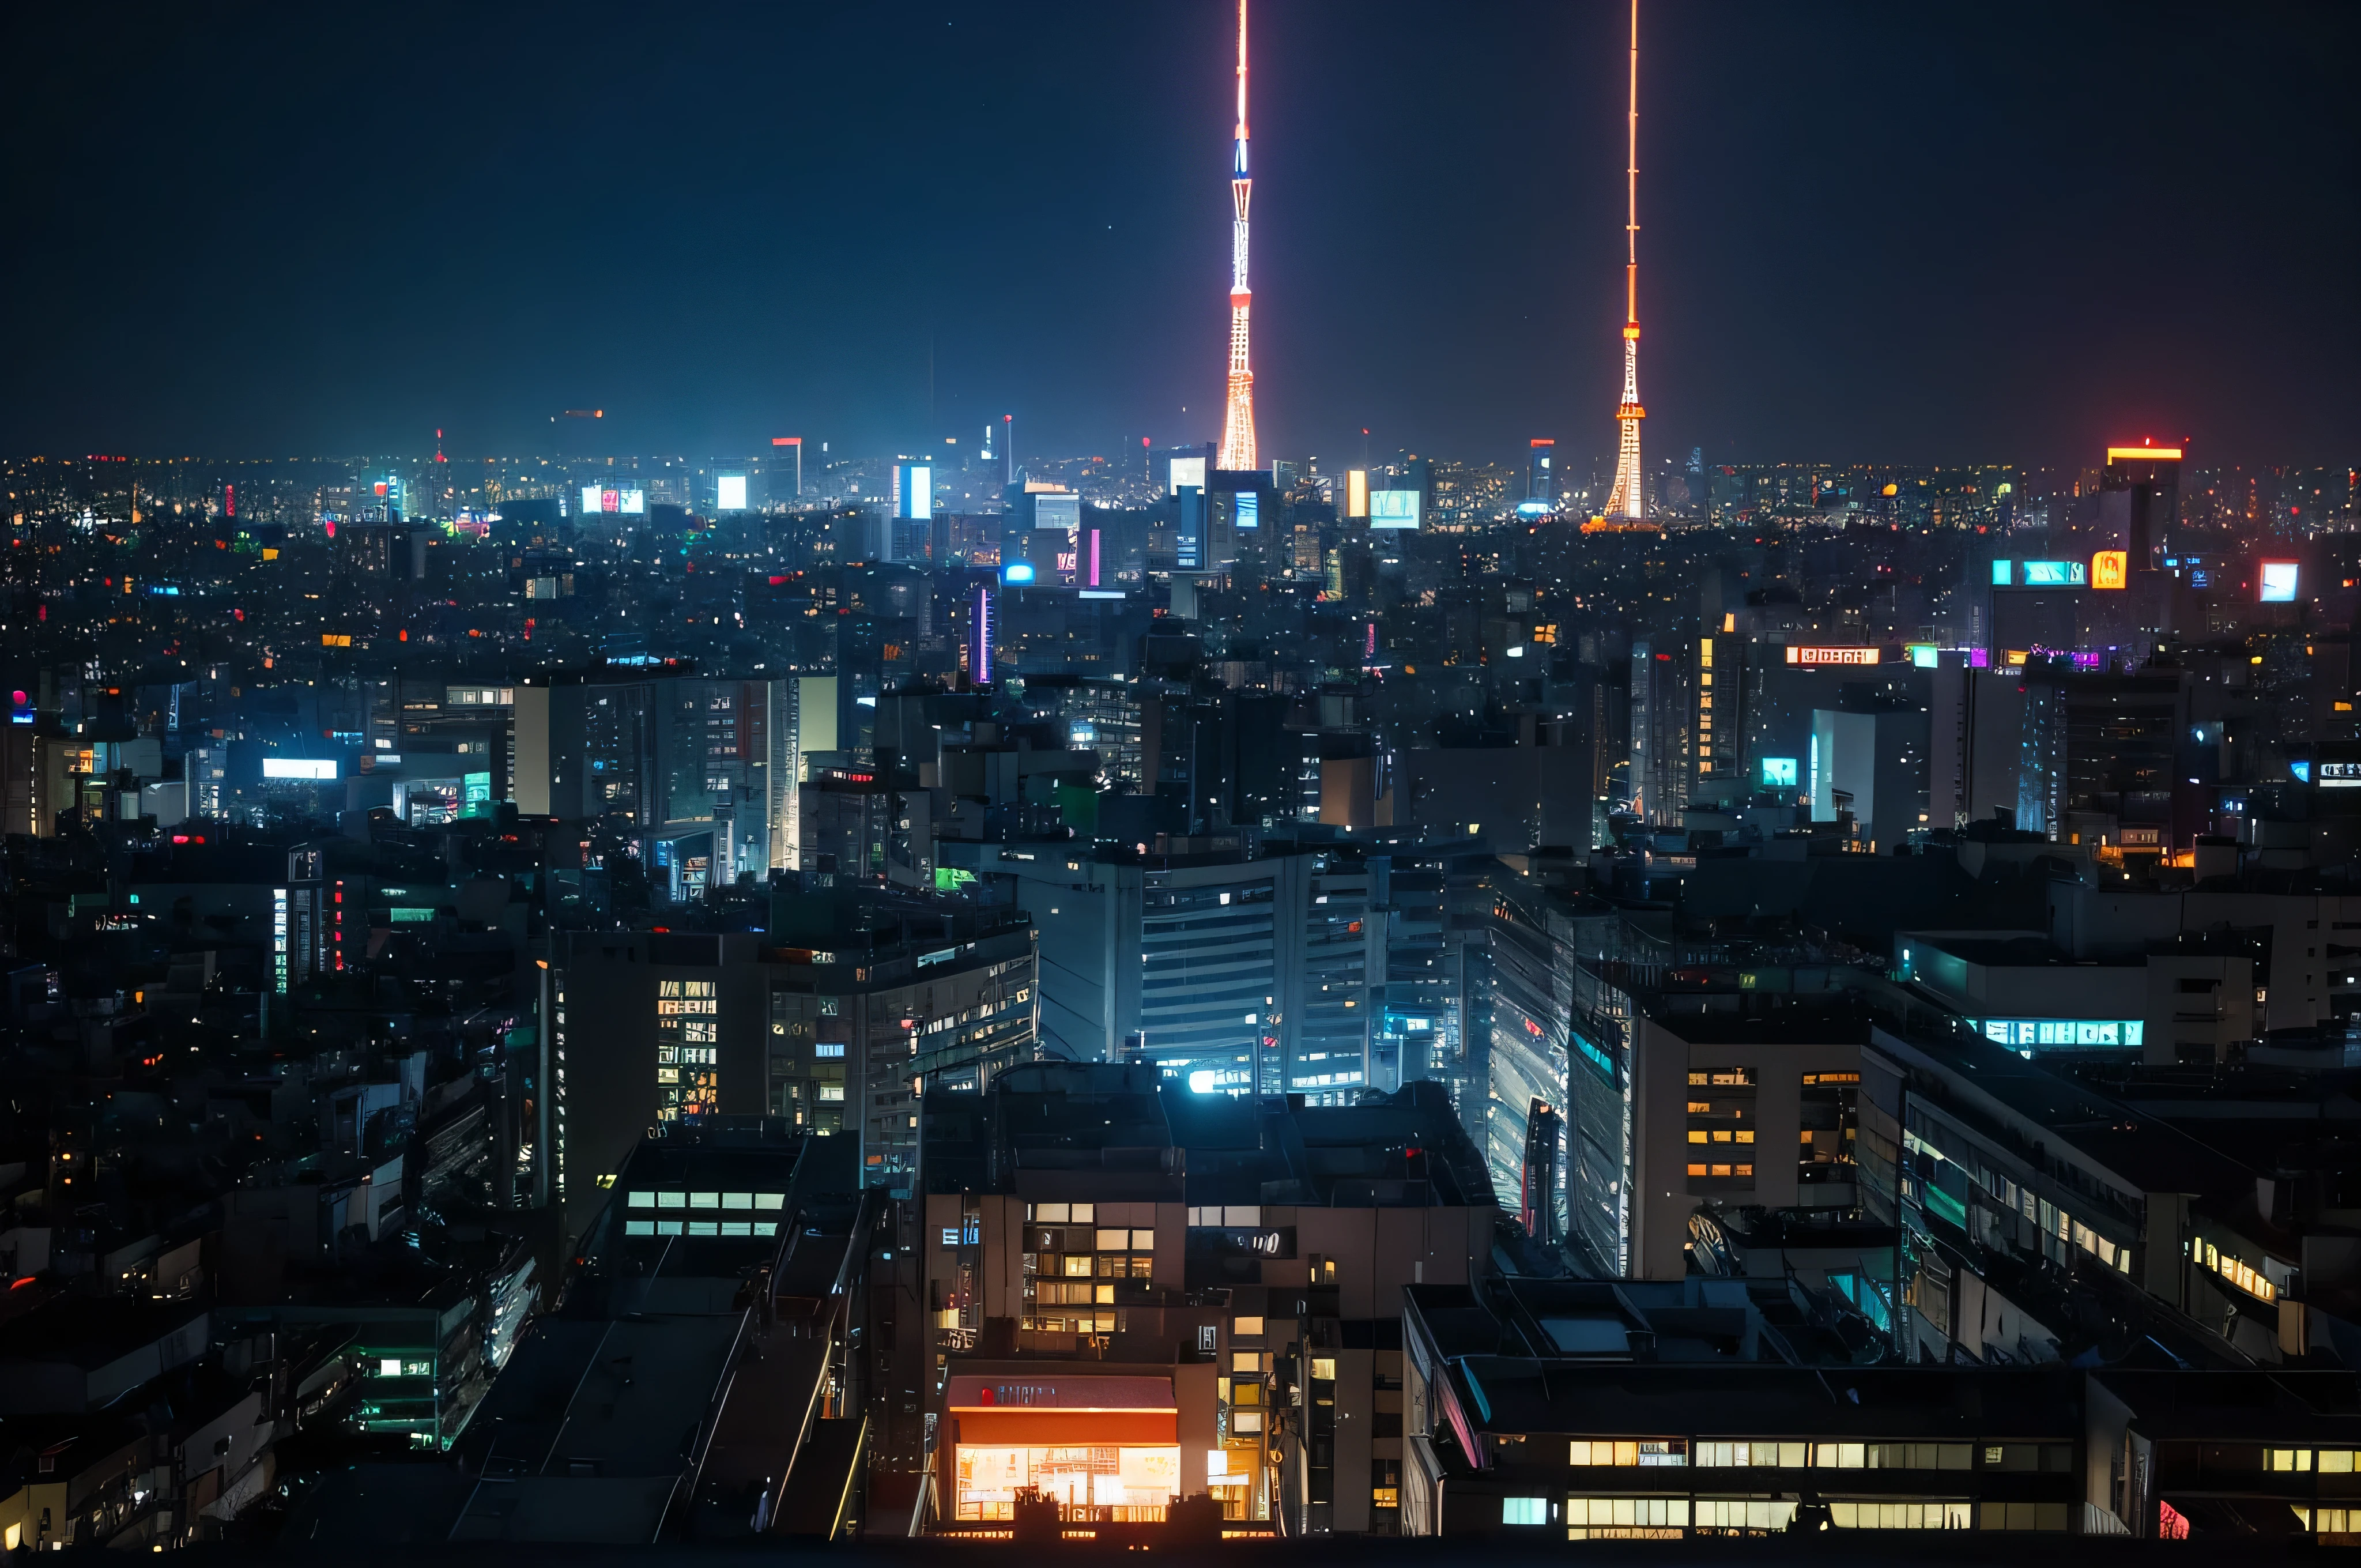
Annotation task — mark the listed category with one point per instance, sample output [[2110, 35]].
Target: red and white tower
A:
[[1237, 417], [1630, 500]]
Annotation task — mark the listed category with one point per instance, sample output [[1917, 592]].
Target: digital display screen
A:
[[1393, 508], [2278, 580], [1779, 772], [2109, 568], [1188, 473], [917, 491], [630, 503], [297, 768], [2055, 573], [730, 493], [1017, 572], [1249, 509], [1356, 492], [1832, 655]]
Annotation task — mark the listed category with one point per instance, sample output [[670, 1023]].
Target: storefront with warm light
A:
[[1089, 1439]]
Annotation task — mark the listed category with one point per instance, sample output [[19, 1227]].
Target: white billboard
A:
[[730, 493], [1188, 473], [298, 768]]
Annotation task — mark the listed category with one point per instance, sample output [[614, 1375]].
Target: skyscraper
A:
[[1541, 479], [2139, 502], [1630, 500], [1237, 421]]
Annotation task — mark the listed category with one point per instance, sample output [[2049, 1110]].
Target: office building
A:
[[649, 1028], [1115, 1269], [692, 767]]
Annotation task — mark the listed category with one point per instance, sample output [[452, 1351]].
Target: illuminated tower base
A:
[[1237, 422], [1630, 500]]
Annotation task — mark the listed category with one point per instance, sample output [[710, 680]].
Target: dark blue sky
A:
[[1871, 231]]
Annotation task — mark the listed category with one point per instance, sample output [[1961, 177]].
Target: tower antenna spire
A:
[[1237, 417], [1630, 500]]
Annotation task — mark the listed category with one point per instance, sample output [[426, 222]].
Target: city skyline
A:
[[1072, 911], [1845, 205]]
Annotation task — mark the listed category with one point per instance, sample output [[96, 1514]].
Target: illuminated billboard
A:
[[1832, 655], [914, 491], [2109, 568], [2337, 775], [1063, 513], [2277, 580], [2003, 574], [1779, 772], [298, 768], [597, 499], [2022, 1032], [1249, 509], [1393, 508], [1356, 492], [2054, 574], [730, 493], [1188, 473]]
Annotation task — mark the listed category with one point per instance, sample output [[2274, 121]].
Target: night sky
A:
[[1871, 231]]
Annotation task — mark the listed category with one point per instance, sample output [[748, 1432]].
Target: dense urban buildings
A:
[[1315, 1005], [951, 992]]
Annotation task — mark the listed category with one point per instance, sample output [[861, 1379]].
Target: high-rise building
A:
[[1541, 479], [1238, 975], [1660, 777], [2139, 502], [688, 762], [912, 995], [1237, 417], [1630, 500]]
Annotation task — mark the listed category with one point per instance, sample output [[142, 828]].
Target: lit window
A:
[[1624, 1518], [1627, 1452]]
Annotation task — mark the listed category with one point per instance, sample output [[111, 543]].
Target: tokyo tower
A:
[[1630, 500], [1237, 417]]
